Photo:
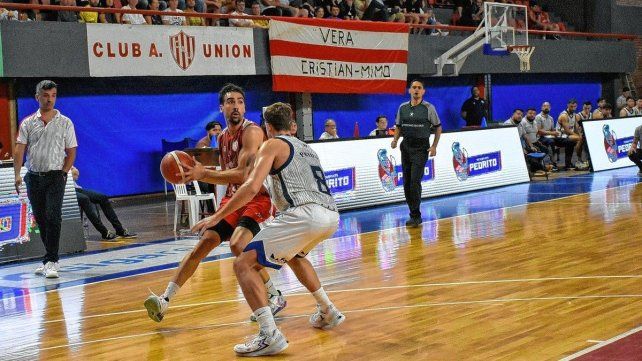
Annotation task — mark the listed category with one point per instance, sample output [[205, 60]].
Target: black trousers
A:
[[86, 200], [45, 192], [414, 154], [636, 158]]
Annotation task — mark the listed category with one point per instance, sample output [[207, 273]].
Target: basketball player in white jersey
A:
[[601, 102], [307, 216], [566, 126], [629, 109], [581, 147]]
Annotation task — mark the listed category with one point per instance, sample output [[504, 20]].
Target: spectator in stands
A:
[[348, 9], [133, 19], [9, 14], [334, 12], [67, 16], [474, 109], [607, 112], [87, 199], [108, 18], [212, 130], [90, 17], [319, 12], [638, 106], [629, 109], [539, 20], [193, 20], [287, 7], [621, 100], [635, 152], [214, 7], [240, 10], [465, 11], [154, 19], [46, 15], [330, 130], [600, 105], [305, 11], [175, 19], [382, 127], [516, 118], [256, 11], [566, 125], [375, 10], [432, 20]]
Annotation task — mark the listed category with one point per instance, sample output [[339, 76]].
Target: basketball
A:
[[171, 166]]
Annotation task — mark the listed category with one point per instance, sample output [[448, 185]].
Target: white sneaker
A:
[[40, 271], [50, 270], [276, 303], [327, 320], [263, 344], [57, 266], [156, 307]]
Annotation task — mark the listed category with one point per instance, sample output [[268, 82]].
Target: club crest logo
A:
[[387, 172], [460, 161], [610, 143], [183, 48]]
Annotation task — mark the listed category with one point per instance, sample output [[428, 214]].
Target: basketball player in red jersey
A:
[[239, 143]]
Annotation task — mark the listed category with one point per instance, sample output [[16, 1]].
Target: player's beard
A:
[[235, 119]]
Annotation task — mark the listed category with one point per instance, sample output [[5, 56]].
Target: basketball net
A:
[[524, 53]]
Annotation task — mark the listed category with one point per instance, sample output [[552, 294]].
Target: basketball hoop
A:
[[524, 53]]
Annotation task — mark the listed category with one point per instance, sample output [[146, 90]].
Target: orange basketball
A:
[[171, 166]]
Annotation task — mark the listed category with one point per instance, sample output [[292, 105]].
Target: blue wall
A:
[[526, 91], [447, 94], [119, 135], [120, 121]]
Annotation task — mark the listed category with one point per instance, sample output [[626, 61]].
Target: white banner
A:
[[160, 50], [368, 172], [609, 141]]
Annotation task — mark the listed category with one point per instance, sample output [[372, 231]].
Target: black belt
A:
[[44, 174]]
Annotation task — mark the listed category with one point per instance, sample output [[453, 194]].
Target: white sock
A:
[[322, 299], [269, 286], [265, 319], [171, 290]]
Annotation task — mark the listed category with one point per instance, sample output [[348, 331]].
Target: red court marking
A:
[[627, 348]]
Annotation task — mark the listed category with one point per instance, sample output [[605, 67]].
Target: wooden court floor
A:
[[532, 282]]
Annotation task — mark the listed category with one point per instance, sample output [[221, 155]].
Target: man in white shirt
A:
[[382, 127], [132, 19], [240, 11], [174, 19], [330, 130]]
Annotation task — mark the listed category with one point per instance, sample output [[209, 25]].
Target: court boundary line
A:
[[389, 308], [602, 344], [136, 273], [364, 289]]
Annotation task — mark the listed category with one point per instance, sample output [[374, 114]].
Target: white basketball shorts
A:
[[294, 232]]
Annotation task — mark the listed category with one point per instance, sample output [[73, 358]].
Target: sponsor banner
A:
[[465, 161], [609, 141], [309, 55], [169, 50], [16, 220], [340, 180]]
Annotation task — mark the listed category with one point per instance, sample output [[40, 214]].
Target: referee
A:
[[415, 120], [50, 142]]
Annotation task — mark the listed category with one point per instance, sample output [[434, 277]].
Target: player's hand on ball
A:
[[204, 224], [195, 173]]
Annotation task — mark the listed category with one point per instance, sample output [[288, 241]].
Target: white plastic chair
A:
[[193, 201]]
